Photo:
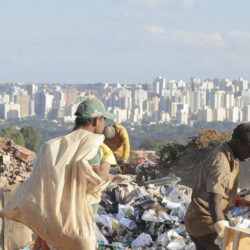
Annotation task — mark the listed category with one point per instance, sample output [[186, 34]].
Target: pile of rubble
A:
[[143, 216], [207, 139], [15, 163]]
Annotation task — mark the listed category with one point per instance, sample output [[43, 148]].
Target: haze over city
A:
[[127, 41]]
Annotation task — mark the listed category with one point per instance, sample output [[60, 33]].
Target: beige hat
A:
[[109, 132]]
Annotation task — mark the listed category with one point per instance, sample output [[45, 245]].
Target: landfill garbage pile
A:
[[139, 217], [15, 163], [144, 169], [207, 139]]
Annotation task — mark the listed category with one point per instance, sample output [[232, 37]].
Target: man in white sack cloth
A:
[[59, 200]]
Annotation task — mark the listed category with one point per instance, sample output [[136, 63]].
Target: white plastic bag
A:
[[141, 241]]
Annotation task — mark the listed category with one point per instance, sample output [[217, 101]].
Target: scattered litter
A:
[[143, 216]]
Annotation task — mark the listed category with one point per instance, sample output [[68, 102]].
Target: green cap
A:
[[93, 108]]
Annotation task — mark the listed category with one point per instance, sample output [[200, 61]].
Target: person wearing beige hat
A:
[[117, 139], [215, 189]]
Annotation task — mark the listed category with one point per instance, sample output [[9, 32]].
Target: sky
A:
[[126, 41]]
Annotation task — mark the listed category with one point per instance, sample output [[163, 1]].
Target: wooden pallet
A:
[[236, 239]]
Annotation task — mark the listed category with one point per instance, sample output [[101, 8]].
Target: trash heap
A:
[[143, 216], [207, 139], [15, 163], [144, 169]]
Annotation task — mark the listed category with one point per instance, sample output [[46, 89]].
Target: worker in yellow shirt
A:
[[116, 138]]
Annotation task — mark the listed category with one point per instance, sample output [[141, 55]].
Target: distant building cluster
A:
[[162, 101]]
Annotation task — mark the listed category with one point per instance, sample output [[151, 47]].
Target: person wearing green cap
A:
[[90, 117]]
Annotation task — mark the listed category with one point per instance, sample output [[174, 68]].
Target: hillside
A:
[[188, 157]]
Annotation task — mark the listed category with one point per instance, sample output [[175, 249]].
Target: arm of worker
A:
[[215, 207], [102, 170], [107, 160], [126, 145], [220, 223], [217, 182], [102, 161]]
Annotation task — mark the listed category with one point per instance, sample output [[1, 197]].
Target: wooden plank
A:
[[236, 239], [244, 243]]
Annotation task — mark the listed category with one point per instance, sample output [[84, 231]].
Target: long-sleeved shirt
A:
[[120, 143]]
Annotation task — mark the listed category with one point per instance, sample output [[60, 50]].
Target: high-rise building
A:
[[121, 114], [246, 113], [228, 100], [217, 99], [219, 114], [246, 97], [182, 117], [43, 103], [205, 114], [23, 101], [243, 84], [235, 114], [9, 111], [159, 85], [69, 95], [195, 101]]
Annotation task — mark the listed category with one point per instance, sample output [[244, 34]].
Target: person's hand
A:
[[120, 162], [220, 227]]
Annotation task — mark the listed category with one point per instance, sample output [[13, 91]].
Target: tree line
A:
[[26, 136], [33, 133]]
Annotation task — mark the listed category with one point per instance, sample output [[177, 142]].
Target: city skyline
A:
[[123, 40], [175, 102]]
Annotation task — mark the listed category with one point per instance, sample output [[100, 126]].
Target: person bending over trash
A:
[[215, 189], [116, 137]]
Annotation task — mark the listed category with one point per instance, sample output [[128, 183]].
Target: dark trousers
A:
[[205, 242]]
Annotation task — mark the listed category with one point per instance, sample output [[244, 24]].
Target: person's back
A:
[[116, 137], [211, 175]]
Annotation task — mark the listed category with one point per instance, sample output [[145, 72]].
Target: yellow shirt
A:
[[217, 173], [120, 143]]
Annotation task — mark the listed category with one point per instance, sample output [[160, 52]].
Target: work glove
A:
[[220, 227]]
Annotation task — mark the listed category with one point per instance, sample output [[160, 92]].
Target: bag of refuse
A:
[[141, 241], [176, 245], [130, 224], [55, 202], [125, 210]]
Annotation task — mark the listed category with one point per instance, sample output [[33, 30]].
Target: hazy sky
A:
[[84, 41]]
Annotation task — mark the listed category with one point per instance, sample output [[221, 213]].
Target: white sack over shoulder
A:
[[55, 201]]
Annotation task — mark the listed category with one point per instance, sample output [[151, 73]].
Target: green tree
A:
[[31, 137], [152, 144], [13, 134]]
